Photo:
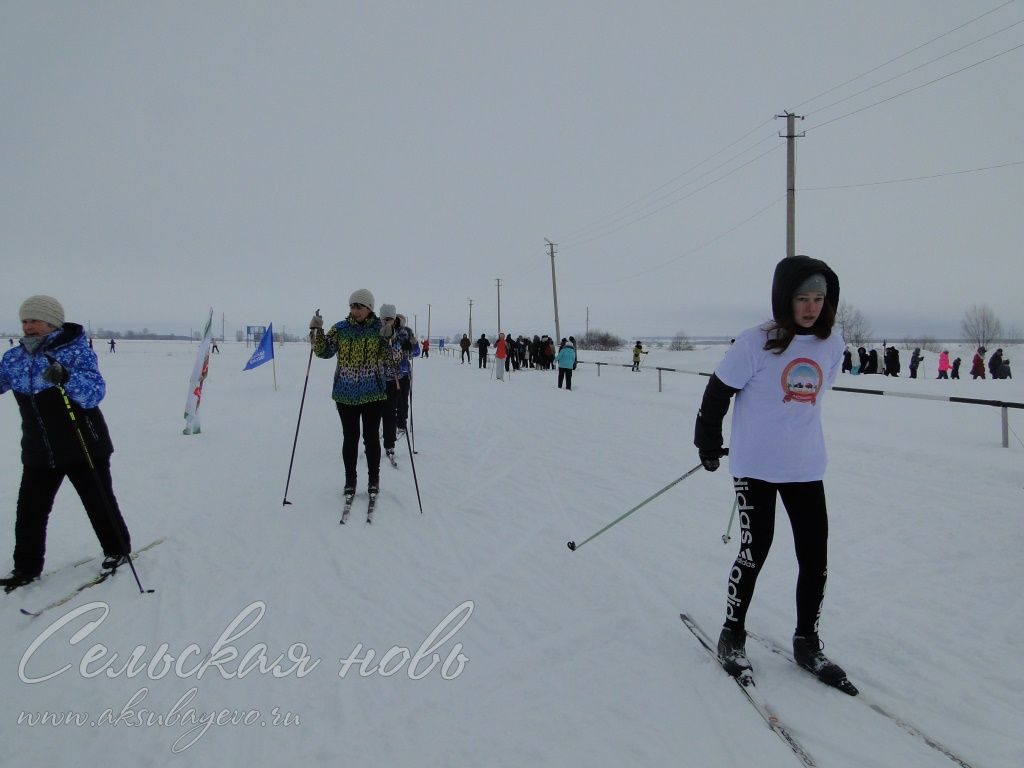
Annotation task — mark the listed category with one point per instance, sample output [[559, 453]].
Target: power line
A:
[[914, 178], [690, 251], [677, 201], [917, 87], [914, 69], [903, 55]]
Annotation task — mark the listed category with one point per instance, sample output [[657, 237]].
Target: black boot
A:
[[807, 652], [17, 579], [732, 651]]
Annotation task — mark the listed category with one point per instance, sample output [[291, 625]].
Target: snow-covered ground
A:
[[543, 656]]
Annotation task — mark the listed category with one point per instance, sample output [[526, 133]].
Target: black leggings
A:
[[369, 415], [805, 505]]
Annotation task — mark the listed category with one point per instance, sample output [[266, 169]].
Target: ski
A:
[[75, 564], [913, 730], [347, 510], [745, 683], [371, 507], [94, 581], [843, 684]]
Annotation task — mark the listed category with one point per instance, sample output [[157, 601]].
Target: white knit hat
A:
[[387, 310], [44, 308], [361, 296]]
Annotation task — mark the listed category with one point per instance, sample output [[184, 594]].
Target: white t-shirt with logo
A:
[[776, 421]]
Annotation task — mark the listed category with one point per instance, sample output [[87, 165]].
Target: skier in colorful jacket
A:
[[361, 345]]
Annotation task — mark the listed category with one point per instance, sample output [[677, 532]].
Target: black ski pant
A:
[[404, 394], [368, 416], [482, 360], [464, 357], [389, 418], [39, 487], [566, 375], [808, 517]]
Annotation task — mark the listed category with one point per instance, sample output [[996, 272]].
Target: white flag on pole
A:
[[195, 390]]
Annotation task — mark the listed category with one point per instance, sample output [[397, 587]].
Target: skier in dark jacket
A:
[[481, 350], [779, 373], [915, 361], [51, 372], [995, 363]]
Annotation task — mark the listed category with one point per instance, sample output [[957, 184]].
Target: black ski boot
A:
[[732, 652], [807, 653], [17, 579], [113, 562]]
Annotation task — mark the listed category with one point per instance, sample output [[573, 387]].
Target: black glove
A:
[[316, 322], [710, 457], [55, 373]]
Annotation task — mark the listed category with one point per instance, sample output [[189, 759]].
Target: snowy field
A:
[[493, 644]]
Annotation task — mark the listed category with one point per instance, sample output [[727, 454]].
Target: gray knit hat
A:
[[387, 310], [361, 296], [45, 308], [813, 284]]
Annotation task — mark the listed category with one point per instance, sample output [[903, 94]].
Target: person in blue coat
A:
[[566, 358], [53, 361]]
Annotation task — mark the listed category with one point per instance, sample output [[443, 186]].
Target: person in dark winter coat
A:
[[995, 363], [53, 371], [481, 350], [872, 364], [978, 364], [892, 362], [863, 356], [464, 345], [779, 373], [847, 361], [955, 370], [915, 361]]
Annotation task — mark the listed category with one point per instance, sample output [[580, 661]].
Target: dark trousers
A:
[[482, 360], [566, 374], [805, 504], [389, 416], [367, 416], [464, 357], [404, 394], [39, 487]]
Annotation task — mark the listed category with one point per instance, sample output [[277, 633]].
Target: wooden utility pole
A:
[[791, 136], [554, 288], [470, 318], [428, 322]]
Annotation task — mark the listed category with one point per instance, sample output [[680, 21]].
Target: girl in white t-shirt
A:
[[779, 373]]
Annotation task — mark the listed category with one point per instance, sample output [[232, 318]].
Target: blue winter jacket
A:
[[48, 436], [566, 357]]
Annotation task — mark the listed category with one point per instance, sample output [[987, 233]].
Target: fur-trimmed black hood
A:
[[792, 271]]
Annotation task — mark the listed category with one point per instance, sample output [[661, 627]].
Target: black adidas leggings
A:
[[805, 504]]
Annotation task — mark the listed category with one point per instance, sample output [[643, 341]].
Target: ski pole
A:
[[726, 536], [574, 546], [412, 463], [302, 402], [99, 486], [412, 420]]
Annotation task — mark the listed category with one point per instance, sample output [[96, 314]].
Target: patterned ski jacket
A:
[[404, 347], [48, 437], [365, 363]]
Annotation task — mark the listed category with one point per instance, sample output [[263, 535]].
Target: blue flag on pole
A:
[[264, 352]]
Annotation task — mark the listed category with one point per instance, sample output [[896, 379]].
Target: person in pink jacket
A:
[[500, 353], [944, 364]]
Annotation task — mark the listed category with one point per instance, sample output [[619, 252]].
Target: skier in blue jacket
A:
[[52, 360]]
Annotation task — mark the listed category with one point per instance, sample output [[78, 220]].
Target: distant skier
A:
[[481, 350], [637, 351], [464, 345], [944, 364], [566, 363], [915, 361], [978, 364], [113, 344]]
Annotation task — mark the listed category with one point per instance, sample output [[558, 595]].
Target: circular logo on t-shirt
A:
[[802, 380]]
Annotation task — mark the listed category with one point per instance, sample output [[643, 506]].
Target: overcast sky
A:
[[267, 159]]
